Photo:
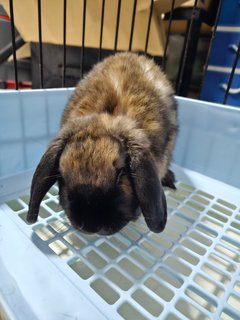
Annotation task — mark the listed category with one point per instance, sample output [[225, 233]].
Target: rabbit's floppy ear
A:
[[45, 175], [148, 187]]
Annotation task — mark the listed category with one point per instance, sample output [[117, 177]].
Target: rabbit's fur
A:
[[113, 149]]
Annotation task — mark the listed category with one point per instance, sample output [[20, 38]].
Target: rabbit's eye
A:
[[61, 182], [119, 173]]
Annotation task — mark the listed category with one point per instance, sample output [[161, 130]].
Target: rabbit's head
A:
[[105, 173]]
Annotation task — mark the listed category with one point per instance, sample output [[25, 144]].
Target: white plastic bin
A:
[[49, 271]]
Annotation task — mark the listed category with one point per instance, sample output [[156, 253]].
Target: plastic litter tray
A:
[[48, 270]]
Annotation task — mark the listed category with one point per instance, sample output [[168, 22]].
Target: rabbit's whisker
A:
[[53, 176]]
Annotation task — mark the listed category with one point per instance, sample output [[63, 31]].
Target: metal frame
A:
[[195, 16]]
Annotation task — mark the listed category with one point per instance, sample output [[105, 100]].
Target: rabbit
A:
[[112, 152]]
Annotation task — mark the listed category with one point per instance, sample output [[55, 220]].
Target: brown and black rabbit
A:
[[112, 152]]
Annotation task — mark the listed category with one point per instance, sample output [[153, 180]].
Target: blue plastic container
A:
[[190, 271]]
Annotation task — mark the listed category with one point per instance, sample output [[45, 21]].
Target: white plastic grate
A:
[[190, 271]]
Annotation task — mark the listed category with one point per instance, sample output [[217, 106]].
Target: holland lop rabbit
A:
[[111, 155]]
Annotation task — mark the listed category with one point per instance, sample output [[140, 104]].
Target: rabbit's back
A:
[[122, 84], [130, 85]]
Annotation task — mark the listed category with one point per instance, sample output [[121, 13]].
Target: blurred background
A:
[[58, 41]]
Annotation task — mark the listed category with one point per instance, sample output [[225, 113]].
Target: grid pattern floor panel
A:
[[190, 271]]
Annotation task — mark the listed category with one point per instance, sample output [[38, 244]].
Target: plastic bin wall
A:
[[208, 140]]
